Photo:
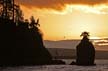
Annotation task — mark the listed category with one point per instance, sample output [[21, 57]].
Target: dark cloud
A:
[[58, 4]]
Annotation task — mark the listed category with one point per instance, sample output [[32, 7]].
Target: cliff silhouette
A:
[[21, 42]]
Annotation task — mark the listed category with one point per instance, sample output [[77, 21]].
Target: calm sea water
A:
[[102, 65]]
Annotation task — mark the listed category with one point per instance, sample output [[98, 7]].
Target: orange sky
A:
[[64, 19]]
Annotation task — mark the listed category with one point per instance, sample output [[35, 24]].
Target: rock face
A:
[[29, 45], [20, 45], [85, 52], [21, 42], [7, 41]]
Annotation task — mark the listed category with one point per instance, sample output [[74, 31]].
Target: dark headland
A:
[[21, 42]]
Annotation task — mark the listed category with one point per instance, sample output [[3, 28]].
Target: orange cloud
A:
[[58, 4]]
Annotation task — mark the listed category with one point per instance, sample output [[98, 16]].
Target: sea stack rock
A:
[[85, 51]]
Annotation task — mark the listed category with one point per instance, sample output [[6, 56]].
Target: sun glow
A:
[[71, 21], [95, 38]]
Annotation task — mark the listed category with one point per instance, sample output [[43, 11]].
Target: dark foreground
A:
[[102, 65]]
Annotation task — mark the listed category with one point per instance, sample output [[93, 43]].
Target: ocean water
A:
[[102, 65]]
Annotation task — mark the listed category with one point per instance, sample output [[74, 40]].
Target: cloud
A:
[[60, 5]]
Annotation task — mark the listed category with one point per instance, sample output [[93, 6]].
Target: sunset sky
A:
[[66, 19]]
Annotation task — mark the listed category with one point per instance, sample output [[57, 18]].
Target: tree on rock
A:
[[85, 51]]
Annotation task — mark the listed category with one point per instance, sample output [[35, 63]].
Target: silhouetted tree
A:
[[33, 23], [7, 9], [18, 14]]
